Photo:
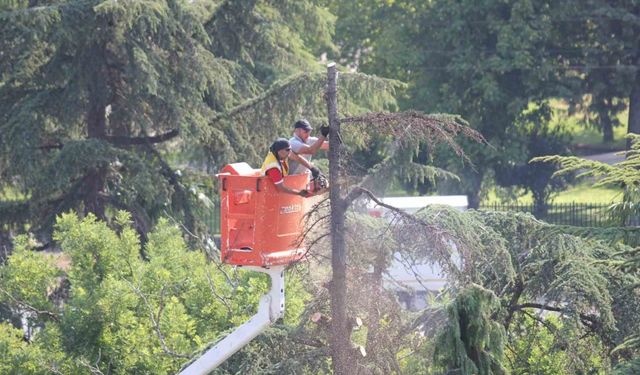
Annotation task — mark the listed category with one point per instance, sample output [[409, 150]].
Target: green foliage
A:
[[272, 113], [93, 76], [535, 270], [472, 342], [95, 95], [609, 71], [19, 356], [272, 40], [489, 62], [280, 350], [630, 367], [621, 175], [538, 179], [543, 351], [109, 304], [26, 282], [479, 60]]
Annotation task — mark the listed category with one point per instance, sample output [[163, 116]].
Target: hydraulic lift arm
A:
[[270, 309]]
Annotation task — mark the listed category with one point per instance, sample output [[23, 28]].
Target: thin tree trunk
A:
[[96, 128], [607, 128], [634, 107], [473, 193], [373, 346], [540, 206], [340, 335]]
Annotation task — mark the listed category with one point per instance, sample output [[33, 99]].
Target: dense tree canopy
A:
[[100, 305], [94, 94], [489, 61]]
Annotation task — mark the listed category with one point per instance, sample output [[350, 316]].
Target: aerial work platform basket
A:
[[259, 226]]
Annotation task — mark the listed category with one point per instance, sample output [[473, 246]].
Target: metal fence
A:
[[576, 214]]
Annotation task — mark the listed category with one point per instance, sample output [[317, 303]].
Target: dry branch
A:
[[28, 307], [410, 126], [155, 319]]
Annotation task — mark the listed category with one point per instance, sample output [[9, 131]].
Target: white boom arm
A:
[[270, 309]]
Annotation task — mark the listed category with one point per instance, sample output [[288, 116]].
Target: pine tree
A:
[[625, 175], [101, 100], [472, 342]]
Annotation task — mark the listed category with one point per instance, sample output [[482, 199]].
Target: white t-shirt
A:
[[296, 145]]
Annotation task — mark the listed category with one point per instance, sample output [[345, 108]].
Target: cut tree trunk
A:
[[340, 334]]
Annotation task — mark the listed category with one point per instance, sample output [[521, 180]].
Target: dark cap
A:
[[279, 144], [302, 124]]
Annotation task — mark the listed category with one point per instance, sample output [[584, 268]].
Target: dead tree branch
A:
[[155, 319], [589, 318], [29, 307], [215, 294], [94, 369]]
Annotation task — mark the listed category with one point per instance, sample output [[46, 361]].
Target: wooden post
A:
[[340, 334]]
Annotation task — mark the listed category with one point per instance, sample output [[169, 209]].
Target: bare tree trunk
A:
[[634, 107], [96, 128], [373, 325], [340, 334], [473, 193], [607, 127]]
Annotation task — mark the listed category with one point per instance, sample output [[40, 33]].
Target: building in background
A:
[[413, 283]]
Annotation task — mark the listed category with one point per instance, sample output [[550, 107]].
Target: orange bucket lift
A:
[[261, 229], [259, 225]]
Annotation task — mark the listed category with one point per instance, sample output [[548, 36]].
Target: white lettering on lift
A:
[[290, 209]]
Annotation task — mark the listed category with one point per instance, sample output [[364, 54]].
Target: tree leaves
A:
[[99, 304]]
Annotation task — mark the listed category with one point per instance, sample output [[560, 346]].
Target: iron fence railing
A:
[[576, 214]]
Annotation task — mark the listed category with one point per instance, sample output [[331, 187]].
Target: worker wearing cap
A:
[[303, 144], [276, 166]]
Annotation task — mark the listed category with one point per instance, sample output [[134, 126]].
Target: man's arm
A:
[[300, 159], [302, 148], [278, 180]]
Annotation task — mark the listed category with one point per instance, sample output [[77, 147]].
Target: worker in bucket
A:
[[303, 144], [276, 166]]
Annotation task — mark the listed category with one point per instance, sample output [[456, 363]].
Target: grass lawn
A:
[[577, 124], [583, 193], [588, 194]]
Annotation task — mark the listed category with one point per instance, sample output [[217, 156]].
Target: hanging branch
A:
[[215, 294]]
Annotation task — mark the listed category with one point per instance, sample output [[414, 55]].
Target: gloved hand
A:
[[315, 172], [303, 193], [324, 130]]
